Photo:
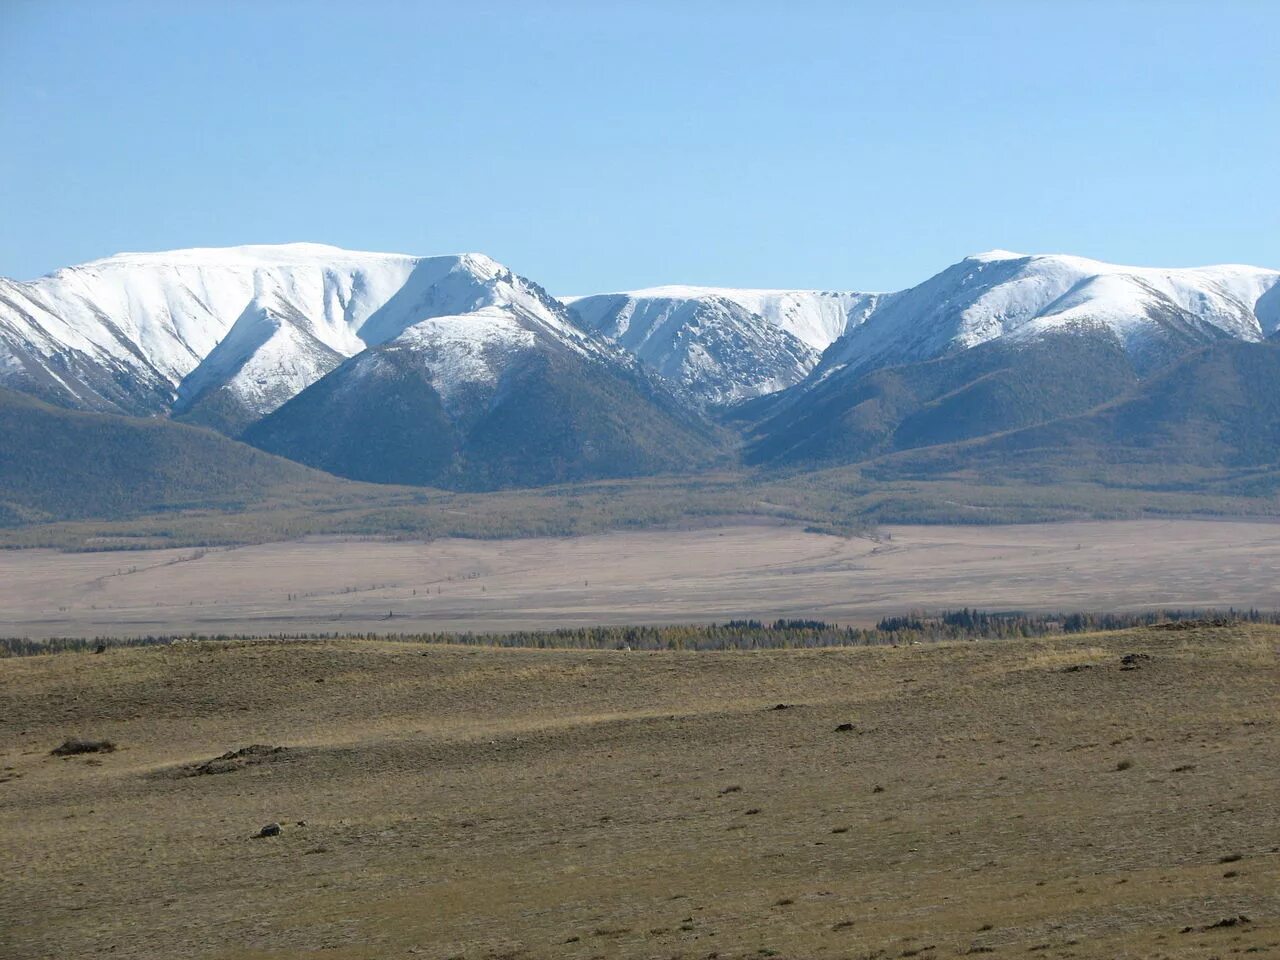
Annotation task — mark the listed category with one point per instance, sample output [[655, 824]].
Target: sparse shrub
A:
[[77, 745]]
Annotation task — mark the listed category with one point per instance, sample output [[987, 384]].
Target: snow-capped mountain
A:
[[1003, 341], [268, 356], [140, 323], [455, 371], [224, 336], [504, 395], [444, 370], [720, 344], [1152, 312]]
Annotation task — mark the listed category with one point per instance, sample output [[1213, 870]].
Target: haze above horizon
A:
[[746, 144]]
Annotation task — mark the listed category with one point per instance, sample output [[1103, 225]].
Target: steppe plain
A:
[[1029, 798], [1076, 796], [764, 571]]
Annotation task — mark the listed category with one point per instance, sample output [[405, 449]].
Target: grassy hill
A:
[[58, 464]]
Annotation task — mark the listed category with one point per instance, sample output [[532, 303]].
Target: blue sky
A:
[[601, 146]]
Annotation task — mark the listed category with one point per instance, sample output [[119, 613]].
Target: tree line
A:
[[952, 625]]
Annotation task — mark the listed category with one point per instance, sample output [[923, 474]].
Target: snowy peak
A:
[[815, 317], [1002, 294], [456, 286], [465, 355], [269, 355], [462, 357], [141, 332], [723, 344], [990, 256], [713, 348], [261, 256]]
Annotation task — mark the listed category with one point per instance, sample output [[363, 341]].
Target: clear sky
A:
[[607, 145]]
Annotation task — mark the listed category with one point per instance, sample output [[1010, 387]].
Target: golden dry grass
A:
[[481, 803]]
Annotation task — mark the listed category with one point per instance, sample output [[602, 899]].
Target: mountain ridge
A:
[[722, 345], [1000, 293], [145, 322], [455, 371]]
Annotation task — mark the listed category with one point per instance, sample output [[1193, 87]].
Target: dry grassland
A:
[[448, 802]]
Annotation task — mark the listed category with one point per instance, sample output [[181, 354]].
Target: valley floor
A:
[[1011, 798], [762, 571]]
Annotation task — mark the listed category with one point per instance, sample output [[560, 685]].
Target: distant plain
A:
[[755, 570]]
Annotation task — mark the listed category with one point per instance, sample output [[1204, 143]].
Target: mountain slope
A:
[[1155, 313], [145, 321], [1001, 385], [722, 345], [1215, 408], [494, 398], [60, 464], [436, 369], [244, 327], [268, 356], [1001, 342]]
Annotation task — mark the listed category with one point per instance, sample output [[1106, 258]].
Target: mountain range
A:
[[375, 366], [455, 372]]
